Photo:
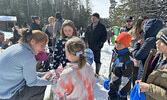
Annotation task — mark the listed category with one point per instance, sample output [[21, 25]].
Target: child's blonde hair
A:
[[76, 47], [68, 23], [51, 18]]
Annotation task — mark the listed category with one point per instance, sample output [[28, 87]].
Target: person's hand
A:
[[106, 84], [7, 41], [143, 86], [51, 37], [47, 75], [59, 70], [137, 81], [141, 41]]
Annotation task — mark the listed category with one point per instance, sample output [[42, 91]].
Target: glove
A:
[[106, 84], [89, 55]]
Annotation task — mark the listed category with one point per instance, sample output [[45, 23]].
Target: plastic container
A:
[[116, 30]]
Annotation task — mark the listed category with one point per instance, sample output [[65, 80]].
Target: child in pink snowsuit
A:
[[77, 79]]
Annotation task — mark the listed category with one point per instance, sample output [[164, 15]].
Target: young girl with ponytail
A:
[[77, 79]]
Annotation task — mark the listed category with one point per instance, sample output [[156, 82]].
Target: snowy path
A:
[[99, 92]]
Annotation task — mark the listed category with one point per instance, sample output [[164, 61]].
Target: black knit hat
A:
[[129, 19], [58, 15], [163, 35], [96, 15]]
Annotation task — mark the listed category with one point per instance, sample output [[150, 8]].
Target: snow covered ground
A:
[[8, 35], [99, 92]]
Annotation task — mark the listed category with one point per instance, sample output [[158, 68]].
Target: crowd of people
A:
[[146, 66], [58, 55]]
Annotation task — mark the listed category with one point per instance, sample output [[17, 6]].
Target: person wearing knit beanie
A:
[[121, 69], [96, 35], [123, 38], [96, 15], [163, 35], [95, 19]]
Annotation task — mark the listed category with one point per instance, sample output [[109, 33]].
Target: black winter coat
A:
[[96, 37], [35, 26], [49, 35], [16, 37]]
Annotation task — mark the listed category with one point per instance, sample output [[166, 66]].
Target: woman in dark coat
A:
[[35, 23], [16, 35], [143, 47]]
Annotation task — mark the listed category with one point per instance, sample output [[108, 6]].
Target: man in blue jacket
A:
[[142, 47]]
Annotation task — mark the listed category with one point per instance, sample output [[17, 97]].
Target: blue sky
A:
[[101, 7]]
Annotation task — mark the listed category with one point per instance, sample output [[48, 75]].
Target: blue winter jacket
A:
[[141, 52], [17, 68]]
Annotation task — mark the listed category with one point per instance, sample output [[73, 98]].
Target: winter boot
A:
[[98, 65]]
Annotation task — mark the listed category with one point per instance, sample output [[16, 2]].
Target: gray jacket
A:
[[56, 28]]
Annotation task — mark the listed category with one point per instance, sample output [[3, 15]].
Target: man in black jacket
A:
[[96, 35], [128, 26]]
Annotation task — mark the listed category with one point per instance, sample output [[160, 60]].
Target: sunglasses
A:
[[117, 42], [128, 21]]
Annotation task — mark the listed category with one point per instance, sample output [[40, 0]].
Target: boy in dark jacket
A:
[[120, 72]]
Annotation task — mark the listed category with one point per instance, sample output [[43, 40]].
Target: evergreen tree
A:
[[74, 10], [135, 8]]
